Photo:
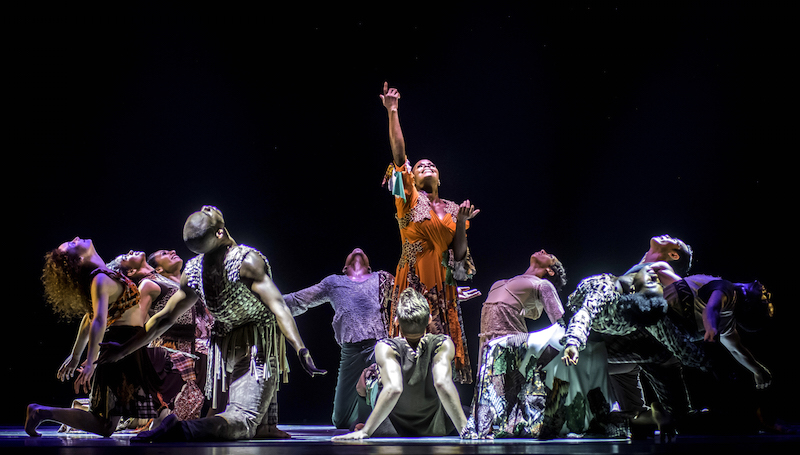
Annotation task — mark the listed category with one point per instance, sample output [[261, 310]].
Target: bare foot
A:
[[271, 432], [32, 420]]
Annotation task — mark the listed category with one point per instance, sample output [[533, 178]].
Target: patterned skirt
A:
[[126, 388], [525, 391]]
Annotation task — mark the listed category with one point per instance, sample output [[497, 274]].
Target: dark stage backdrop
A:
[[581, 127]]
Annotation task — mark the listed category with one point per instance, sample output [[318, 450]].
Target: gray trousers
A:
[[249, 397]]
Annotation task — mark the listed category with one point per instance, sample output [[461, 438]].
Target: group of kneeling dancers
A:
[[198, 351]]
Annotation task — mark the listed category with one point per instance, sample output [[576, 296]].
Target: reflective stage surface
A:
[[317, 440]]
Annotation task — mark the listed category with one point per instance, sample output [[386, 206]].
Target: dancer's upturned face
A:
[[168, 260], [357, 255], [426, 170], [666, 247], [77, 247], [543, 259], [646, 282], [133, 259], [214, 213]]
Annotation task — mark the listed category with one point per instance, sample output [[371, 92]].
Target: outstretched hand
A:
[[308, 363], [570, 355], [68, 368], [465, 293], [357, 435], [390, 97], [84, 380], [466, 211]]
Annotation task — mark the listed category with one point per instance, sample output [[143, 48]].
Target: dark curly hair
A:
[[753, 309], [66, 284], [683, 264], [559, 277], [642, 310]]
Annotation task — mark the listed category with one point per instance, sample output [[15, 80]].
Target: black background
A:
[[581, 127]]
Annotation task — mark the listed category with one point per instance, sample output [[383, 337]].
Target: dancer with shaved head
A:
[[247, 354]]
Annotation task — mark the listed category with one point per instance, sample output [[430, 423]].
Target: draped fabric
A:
[[427, 265]]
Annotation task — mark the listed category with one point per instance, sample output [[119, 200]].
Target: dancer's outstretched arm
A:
[[392, 388], [390, 99], [254, 269]]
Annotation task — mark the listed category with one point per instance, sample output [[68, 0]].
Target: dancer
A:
[[360, 299], [433, 232], [417, 395], [666, 248], [166, 263], [705, 308], [251, 321], [77, 282], [181, 390], [640, 354], [525, 296], [169, 264], [525, 391]]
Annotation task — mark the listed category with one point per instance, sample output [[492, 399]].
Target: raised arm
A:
[[392, 388], [466, 212], [254, 270], [390, 99]]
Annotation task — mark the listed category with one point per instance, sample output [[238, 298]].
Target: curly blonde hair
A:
[[65, 283]]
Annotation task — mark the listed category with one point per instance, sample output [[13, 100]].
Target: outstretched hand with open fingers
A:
[[68, 368], [390, 97], [467, 211]]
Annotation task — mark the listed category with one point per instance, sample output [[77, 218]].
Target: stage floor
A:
[[307, 439]]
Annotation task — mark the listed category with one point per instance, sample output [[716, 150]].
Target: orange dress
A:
[[427, 265]]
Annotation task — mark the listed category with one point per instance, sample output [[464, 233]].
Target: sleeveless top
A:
[[184, 327], [127, 300], [419, 411], [238, 314]]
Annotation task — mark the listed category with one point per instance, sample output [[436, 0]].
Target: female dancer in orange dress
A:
[[434, 236]]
